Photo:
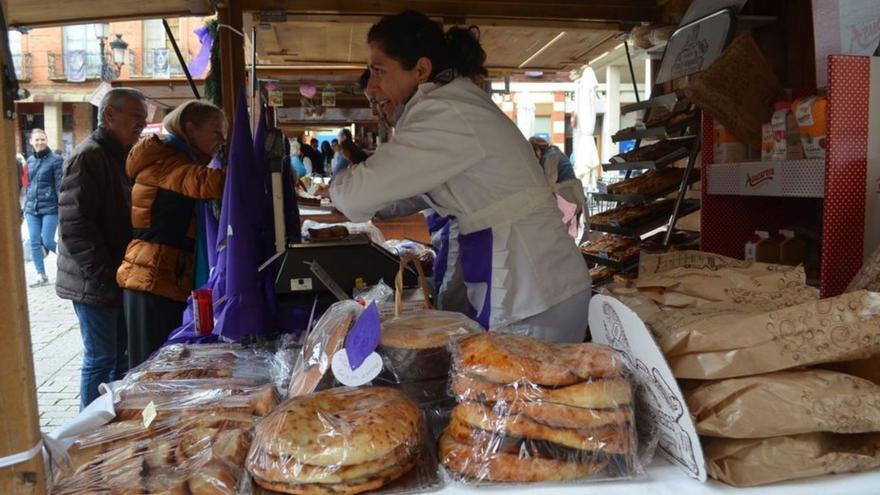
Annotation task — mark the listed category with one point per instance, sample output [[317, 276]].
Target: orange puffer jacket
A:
[[161, 257]]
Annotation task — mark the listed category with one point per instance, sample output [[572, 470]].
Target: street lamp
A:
[[117, 48]]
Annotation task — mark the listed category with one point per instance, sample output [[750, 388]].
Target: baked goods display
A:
[[626, 215], [601, 274], [310, 371], [183, 424], [613, 247], [535, 411], [652, 182], [331, 232], [337, 441], [414, 346], [651, 152]]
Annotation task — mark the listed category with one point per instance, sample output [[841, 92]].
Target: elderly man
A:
[[95, 223]]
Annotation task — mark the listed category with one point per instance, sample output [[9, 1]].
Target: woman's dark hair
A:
[[411, 35], [357, 155], [326, 150], [364, 80]]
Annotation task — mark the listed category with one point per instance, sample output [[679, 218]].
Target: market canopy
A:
[[32, 13]]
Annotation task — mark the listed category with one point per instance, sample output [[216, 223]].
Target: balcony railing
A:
[[58, 67], [23, 66]]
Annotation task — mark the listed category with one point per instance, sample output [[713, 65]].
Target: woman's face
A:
[[391, 83], [206, 139], [39, 141]]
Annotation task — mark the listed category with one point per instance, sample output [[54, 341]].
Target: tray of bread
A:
[[649, 186], [611, 250], [636, 220], [661, 122], [601, 275], [533, 411], [655, 155]]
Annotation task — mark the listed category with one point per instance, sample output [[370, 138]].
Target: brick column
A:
[[52, 121], [83, 122], [557, 120]]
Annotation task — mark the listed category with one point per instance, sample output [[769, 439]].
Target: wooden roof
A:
[[32, 13]]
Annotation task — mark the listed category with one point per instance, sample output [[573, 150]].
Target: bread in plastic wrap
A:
[[200, 454], [337, 441], [175, 397], [414, 346], [310, 371], [753, 462], [785, 403], [531, 411]]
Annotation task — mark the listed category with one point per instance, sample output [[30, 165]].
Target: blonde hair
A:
[[195, 111], [38, 131]]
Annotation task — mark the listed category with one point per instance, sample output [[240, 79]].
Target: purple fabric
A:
[[441, 260], [245, 312], [476, 265], [266, 225], [363, 337], [199, 64]]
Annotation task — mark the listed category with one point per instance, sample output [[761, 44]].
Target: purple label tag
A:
[[363, 337]]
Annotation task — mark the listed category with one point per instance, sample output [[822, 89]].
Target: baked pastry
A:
[[504, 358], [592, 394], [612, 247], [331, 232], [633, 215], [340, 440], [413, 346], [485, 462], [611, 438], [652, 182], [601, 274], [651, 152]]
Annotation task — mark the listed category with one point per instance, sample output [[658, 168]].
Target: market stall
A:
[[705, 366]]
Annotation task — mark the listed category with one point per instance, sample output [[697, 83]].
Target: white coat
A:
[[454, 146]]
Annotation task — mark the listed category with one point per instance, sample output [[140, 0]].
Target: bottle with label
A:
[[752, 243]]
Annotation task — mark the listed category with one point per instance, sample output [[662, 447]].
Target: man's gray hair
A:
[[114, 97]]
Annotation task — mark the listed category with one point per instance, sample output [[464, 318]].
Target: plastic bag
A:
[[532, 411], [415, 346], [199, 455], [310, 371], [353, 228], [344, 440], [212, 361], [168, 398]]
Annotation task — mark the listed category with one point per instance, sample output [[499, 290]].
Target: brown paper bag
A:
[[708, 278], [785, 403], [868, 277], [759, 462], [732, 340]]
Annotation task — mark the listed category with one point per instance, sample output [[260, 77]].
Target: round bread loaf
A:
[[374, 482], [479, 462], [414, 347], [338, 427], [610, 439], [594, 394], [504, 358]]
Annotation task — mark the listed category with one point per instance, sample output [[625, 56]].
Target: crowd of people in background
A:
[[325, 159]]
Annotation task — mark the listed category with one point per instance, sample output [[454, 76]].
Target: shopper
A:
[[327, 154], [521, 271], [546, 152], [169, 173], [352, 152], [41, 202], [302, 165], [315, 146], [94, 214]]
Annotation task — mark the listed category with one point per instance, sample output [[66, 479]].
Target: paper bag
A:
[[744, 463], [733, 340], [785, 403]]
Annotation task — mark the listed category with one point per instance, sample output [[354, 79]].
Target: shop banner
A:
[[665, 413]]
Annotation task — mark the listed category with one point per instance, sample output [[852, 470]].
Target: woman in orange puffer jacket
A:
[[169, 174]]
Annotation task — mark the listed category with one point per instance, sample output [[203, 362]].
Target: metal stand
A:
[[189, 78]]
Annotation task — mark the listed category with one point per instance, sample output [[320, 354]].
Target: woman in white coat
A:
[[453, 146]]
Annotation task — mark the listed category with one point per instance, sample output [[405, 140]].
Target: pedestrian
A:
[[327, 154], [94, 214], [169, 174], [301, 164], [318, 152], [41, 201]]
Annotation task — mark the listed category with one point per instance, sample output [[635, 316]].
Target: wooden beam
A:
[[601, 10], [232, 69], [39, 13], [20, 421]]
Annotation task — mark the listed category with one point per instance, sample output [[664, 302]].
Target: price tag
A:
[[355, 377], [149, 414]]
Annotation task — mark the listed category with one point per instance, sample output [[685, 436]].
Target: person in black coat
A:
[[41, 201]]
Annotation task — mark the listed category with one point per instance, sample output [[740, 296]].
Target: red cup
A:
[[203, 311]]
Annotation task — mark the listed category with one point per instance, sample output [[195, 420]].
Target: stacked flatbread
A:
[[414, 346], [536, 411], [337, 441]]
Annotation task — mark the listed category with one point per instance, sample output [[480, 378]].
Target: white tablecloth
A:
[[665, 479]]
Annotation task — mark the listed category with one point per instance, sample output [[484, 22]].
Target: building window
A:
[[159, 57], [15, 49], [82, 52]]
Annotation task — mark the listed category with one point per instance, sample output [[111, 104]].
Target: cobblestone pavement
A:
[[57, 348]]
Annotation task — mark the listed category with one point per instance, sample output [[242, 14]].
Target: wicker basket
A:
[[738, 90]]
